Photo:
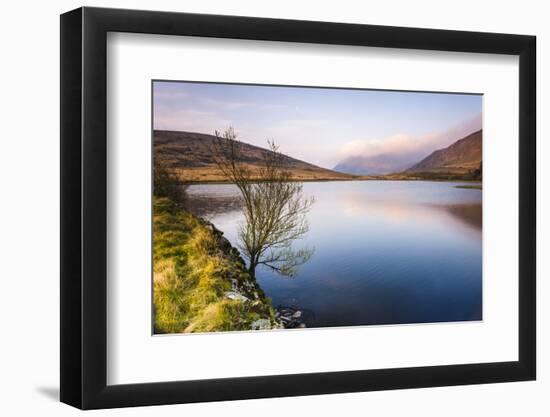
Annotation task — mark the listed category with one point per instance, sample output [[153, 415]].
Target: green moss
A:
[[191, 275]]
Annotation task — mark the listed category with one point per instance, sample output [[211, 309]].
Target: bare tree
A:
[[274, 206]]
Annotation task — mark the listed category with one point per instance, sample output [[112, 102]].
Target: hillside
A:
[[189, 154], [462, 157]]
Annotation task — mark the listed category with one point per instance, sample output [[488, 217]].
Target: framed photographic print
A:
[[256, 207]]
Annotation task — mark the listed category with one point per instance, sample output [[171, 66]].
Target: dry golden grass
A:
[[190, 277], [213, 174]]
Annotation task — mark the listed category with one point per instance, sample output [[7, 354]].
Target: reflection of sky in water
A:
[[385, 251]]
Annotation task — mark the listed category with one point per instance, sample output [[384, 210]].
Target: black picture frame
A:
[[84, 207]]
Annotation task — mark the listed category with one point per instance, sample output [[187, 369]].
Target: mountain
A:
[[462, 157], [368, 165], [190, 155]]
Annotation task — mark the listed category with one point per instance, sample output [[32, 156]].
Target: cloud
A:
[[189, 120], [401, 150], [309, 139], [169, 95], [221, 105]]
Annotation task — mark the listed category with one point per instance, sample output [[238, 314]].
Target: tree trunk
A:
[[252, 269]]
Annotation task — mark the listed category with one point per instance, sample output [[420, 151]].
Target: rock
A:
[[286, 312], [233, 295], [291, 317], [295, 324], [211, 227], [261, 324]]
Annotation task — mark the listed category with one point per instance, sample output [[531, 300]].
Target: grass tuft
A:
[[191, 275]]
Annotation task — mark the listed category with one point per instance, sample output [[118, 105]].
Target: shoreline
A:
[[200, 281], [217, 182]]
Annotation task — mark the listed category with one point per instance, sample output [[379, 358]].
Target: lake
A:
[[386, 252]]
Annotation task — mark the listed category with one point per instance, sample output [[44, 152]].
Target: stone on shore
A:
[[233, 295], [261, 324]]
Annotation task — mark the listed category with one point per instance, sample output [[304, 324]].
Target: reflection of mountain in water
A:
[[208, 205], [470, 214], [387, 252], [213, 204]]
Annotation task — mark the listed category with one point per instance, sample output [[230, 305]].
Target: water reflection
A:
[[386, 252], [209, 204], [470, 214]]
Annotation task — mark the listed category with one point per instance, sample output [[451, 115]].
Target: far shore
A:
[[470, 187], [457, 180]]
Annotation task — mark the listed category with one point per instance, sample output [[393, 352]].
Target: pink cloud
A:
[[398, 151]]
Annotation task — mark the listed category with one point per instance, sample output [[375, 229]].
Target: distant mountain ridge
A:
[[360, 165], [463, 156], [189, 154]]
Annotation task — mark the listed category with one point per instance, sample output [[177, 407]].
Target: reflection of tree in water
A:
[[274, 207], [210, 205]]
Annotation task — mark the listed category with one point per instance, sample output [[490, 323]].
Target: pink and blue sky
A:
[[319, 125]]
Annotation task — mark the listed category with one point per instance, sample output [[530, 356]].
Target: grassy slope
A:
[[190, 156], [192, 273], [213, 175], [461, 157], [428, 176]]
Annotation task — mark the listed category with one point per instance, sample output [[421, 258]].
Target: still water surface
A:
[[386, 252]]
